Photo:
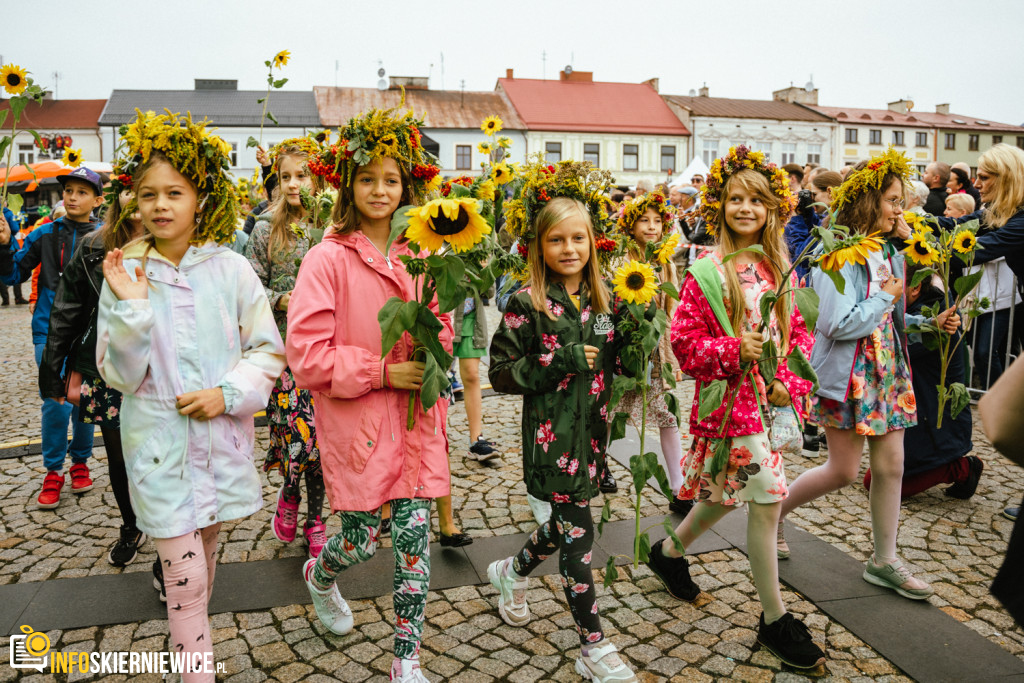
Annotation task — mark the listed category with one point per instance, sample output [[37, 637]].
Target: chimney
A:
[[942, 108], [216, 84], [703, 92], [47, 94], [576, 76], [901, 106], [795, 94], [508, 74], [409, 83], [653, 82]]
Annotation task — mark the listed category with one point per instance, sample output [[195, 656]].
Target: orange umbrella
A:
[[43, 169]]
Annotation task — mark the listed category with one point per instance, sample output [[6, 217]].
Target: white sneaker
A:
[[332, 609], [541, 509], [603, 665], [407, 671], [511, 594]]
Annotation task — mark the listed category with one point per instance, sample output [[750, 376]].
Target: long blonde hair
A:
[[1006, 162], [283, 214], [553, 213], [771, 240]]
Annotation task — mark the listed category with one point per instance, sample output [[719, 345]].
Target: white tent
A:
[[696, 166]]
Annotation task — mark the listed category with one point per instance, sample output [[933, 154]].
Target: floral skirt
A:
[[754, 472], [292, 435], [99, 404], [658, 413], [881, 397]]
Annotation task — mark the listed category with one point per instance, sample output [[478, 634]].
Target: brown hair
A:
[[667, 273], [771, 240], [553, 213], [826, 179], [156, 157], [865, 210], [345, 214], [114, 233], [283, 214]]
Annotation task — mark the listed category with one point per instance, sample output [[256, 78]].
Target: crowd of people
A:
[[150, 317]]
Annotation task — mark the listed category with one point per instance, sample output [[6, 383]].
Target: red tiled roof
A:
[[775, 110], [63, 114], [591, 106], [443, 108], [913, 119]]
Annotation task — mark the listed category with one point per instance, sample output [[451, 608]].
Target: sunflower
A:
[[501, 173], [964, 241], [635, 282], [390, 143], [281, 58], [13, 78], [455, 220], [72, 157], [504, 142], [485, 190], [667, 248], [853, 249], [920, 251], [491, 125], [484, 148]]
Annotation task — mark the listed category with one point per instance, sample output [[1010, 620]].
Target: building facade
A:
[[73, 121]]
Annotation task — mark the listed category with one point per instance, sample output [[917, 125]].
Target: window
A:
[[996, 139], [921, 139], [668, 158], [26, 155], [974, 171], [851, 136], [920, 169], [710, 152], [552, 152], [234, 154], [897, 138], [874, 137], [814, 154], [592, 153], [765, 147], [463, 157], [972, 143], [788, 153], [499, 153], [630, 157], [950, 140], [1020, 141]]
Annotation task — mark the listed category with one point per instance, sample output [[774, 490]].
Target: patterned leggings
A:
[[571, 527], [189, 563], [314, 488], [410, 538]]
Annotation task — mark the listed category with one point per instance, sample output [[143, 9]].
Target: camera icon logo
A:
[[29, 650]]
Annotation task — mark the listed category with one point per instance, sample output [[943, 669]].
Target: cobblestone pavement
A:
[[956, 545]]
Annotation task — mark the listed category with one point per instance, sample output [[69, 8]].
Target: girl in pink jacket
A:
[[360, 399]]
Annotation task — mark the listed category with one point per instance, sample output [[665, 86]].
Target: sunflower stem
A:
[[7, 169], [639, 490]]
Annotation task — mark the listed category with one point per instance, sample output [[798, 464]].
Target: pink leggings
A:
[[189, 563]]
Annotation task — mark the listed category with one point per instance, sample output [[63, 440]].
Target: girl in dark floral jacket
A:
[[556, 345]]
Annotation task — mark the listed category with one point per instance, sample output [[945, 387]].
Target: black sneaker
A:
[[482, 451], [965, 489], [385, 527], [680, 506], [158, 579], [127, 546], [1011, 513], [789, 640], [608, 484], [674, 572]]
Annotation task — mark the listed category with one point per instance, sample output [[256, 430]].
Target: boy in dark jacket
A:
[[51, 247]]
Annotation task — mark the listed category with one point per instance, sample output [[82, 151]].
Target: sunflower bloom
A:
[[854, 249], [501, 173], [281, 58], [13, 78], [454, 220], [920, 251], [964, 241], [390, 143], [667, 249], [635, 283], [72, 157], [491, 125], [484, 148]]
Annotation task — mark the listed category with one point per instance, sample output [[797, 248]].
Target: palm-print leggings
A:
[[410, 540], [570, 528]]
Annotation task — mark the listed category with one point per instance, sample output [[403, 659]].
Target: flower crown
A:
[[196, 153], [738, 159], [378, 134], [311, 145], [634, 209], [871, 175]]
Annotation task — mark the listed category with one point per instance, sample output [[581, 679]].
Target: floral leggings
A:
[[410, 539], [571, 527]]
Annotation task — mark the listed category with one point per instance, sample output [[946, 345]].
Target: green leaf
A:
[[261, 100], [768, 364], [448, 277], [396, 317], [654, 468], [752, 249], [427, 331], [920, 276], [280, 82], [638, 468], [650, 339], [3, 116], [620, 385], [5, 142], [399, 224], [965, 284], [798, 365], [270, 115], [252, 142], [712, 397], [671, 531], [673, 405], [669, 289], [14, 203], [435, 380], [644, 548], [611, 572], [669, 375], [721, 457], [606, 515], [767, 301], [34, 134], [837, 280], [18, 105], [807, 304], [828, 240], [619, 426], [959, 398]]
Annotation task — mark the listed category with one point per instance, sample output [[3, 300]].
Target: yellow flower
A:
[[635, 282], [13, 78], [455, 220], [484, 148], [433, 184], [390, 143], [667, 248], [854, 249], [920, 251], [72, 157], [486, 190], [916, 222], [491, 125], [281, 58], [504, 142], [964, 241]]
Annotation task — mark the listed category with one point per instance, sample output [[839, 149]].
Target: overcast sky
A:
[[863, 53]]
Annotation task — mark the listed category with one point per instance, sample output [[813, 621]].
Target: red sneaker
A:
[[80, 480], [50, 496]]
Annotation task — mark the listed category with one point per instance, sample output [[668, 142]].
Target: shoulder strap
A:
[[705, 272]]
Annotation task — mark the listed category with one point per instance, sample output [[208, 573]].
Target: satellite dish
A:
[[910, 104], [568, 69], [382, 84], [693, 93], [809, 87], [380, 72]]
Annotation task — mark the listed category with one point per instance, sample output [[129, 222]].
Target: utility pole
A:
[[56, 80], [544, 64]]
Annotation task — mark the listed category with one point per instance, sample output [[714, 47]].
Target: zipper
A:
[[386, 259], [581, 391]]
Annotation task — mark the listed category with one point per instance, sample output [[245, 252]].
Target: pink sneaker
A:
[[286, 519], [316, 538]]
